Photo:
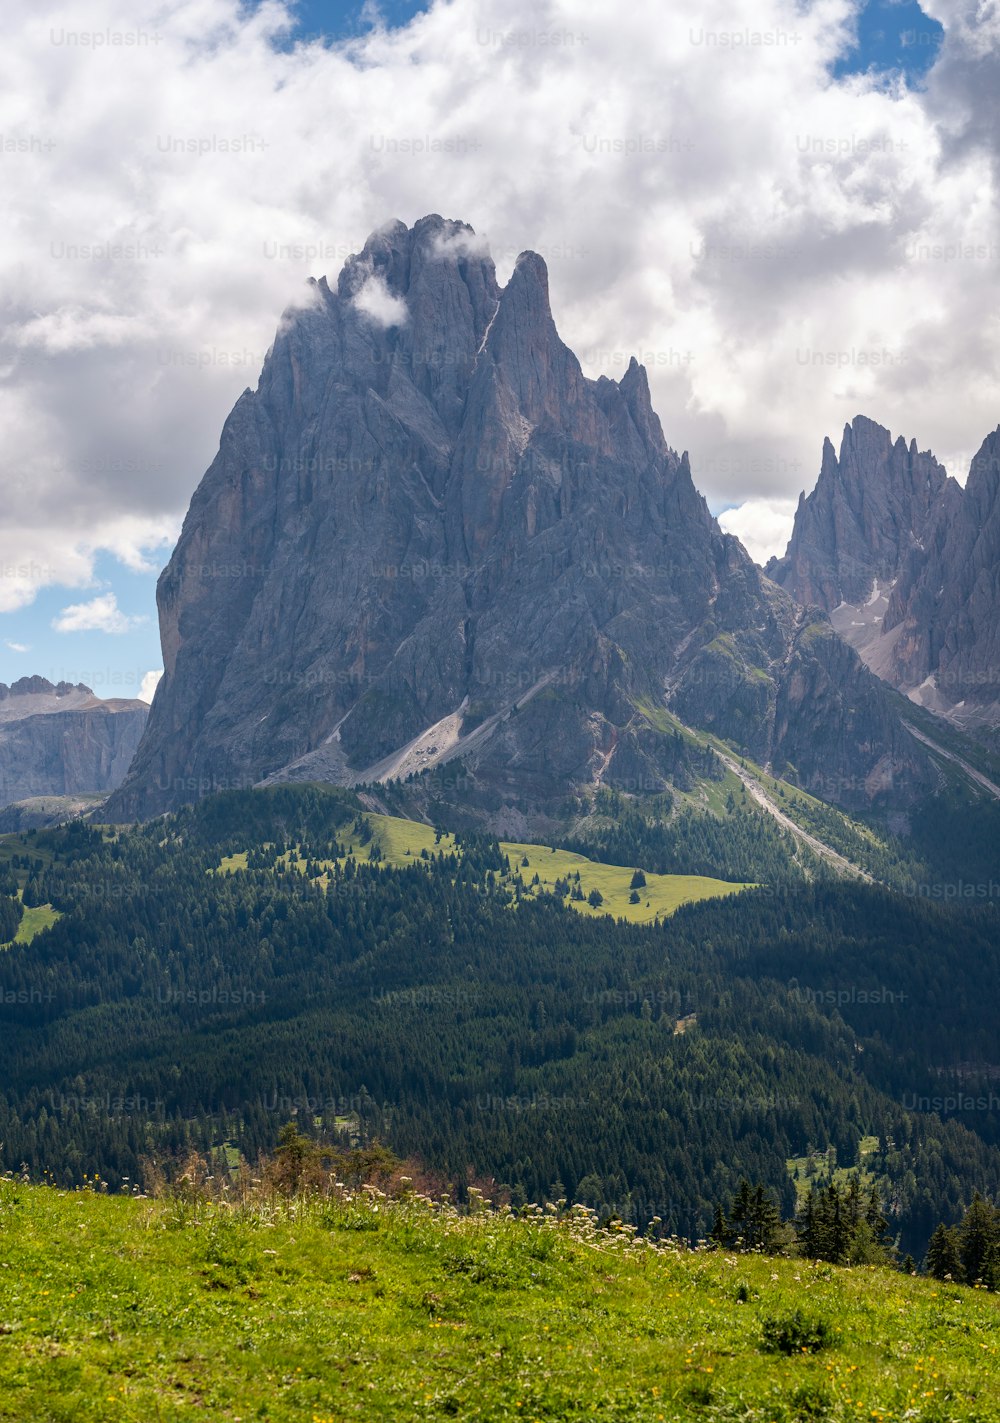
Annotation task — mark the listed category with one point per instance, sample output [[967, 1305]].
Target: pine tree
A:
[[754, 1219], [720, 1232], [766, 1221], [976, 1234], [943, 1260], [991, 1266], [805, 1226], [877, 1223], [837, 1241], [739, 1213]]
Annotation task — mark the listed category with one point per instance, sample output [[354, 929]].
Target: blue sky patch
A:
[[113, 664], [892, 38], [343, 19]]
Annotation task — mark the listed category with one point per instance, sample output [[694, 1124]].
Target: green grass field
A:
[[799, 1170], [18, 843], [661, 895], [34, 920], [402, 841], [233, 862], [116, 1310]]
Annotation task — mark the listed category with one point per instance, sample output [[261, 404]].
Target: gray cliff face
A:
[[907, 564], [426, 535], [62, 740], [943, 620], [870, 508]]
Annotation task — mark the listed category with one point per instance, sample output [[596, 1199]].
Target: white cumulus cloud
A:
[[379, 304], [101, 614], [763, 526], [781, 250], [149, 684]]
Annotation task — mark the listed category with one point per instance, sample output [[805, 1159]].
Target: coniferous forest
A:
[[183, 1000]]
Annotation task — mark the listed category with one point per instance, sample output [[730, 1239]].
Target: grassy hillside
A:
[[634, 1066], [119, 1310], [35, 919], [403, 839], [401, 842], [819, 1169], [661, 895]]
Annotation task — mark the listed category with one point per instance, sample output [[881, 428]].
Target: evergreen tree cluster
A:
[[843, 1226], [11, 913], [747, 846], [969, 1252], [840, 1224], [179, 1006], [753, 1221]]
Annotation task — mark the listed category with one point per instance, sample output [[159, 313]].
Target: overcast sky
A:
[[788, 213]]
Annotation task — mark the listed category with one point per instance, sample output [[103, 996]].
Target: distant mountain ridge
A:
[[443, 543], [59, 739], [907, 564], [68, 693], [943, 618], [872, 504]]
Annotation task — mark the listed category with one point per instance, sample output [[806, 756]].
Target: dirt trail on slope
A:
[[970, 771], [818, 847]]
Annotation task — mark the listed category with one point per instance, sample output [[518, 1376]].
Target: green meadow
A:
[[404, 842], [355, 1306]]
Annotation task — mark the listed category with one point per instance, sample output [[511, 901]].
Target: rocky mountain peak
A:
[[871, 505], [522, 346], [445, 543], [983, 486], [905, 561], [942, 625], [34, 686], [59, 739]]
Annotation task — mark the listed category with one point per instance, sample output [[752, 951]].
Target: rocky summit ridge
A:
[[428, 538], [59, 739], [872, 504], [907, 564]]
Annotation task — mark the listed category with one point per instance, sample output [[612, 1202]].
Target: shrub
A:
[[812, 1400], [796, 1333]]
